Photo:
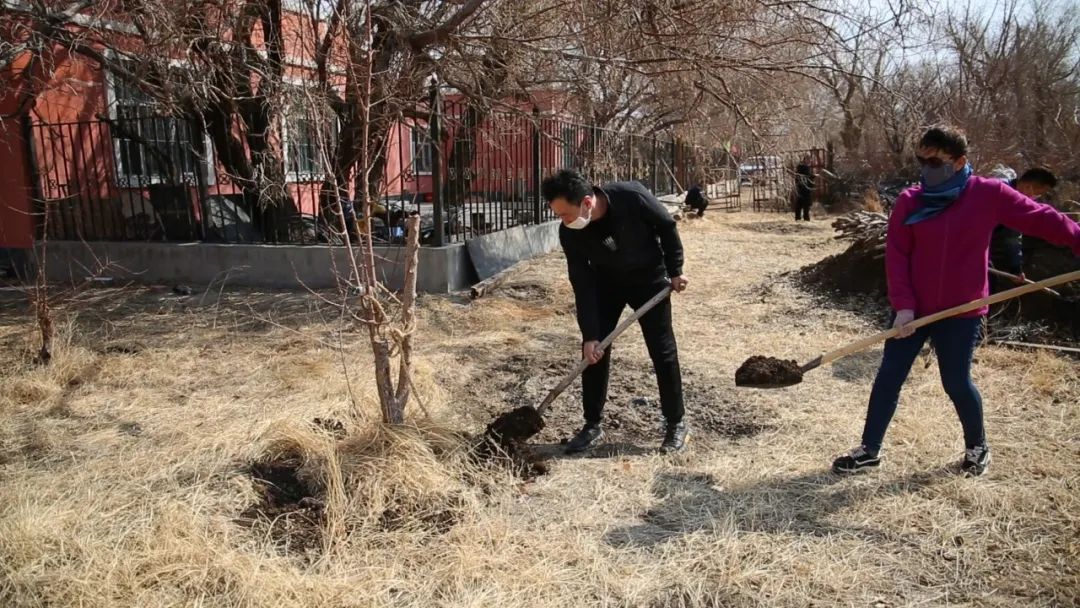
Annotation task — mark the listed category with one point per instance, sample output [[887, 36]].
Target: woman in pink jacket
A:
[[936, 258]]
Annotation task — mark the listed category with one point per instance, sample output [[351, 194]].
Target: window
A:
[[302, 149], [150, 146], [423, 152], [309, 133]]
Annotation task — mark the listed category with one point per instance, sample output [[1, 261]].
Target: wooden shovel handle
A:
[[949, 312], [606, 342], [1009, 275]]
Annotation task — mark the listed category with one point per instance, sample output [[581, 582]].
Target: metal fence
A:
[[771, 176], [467, 170]]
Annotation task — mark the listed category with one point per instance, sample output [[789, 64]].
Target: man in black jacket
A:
[[622, 247], [1007, 245]]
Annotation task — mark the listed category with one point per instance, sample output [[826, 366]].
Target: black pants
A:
[[659, 339], [802, 208]]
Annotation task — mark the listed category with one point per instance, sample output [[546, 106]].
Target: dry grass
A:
[[122, 473], [871, 201]]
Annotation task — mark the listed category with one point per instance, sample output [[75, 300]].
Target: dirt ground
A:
[[126, 466]]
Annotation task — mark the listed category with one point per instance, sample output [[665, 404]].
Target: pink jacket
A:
[[942, 262]]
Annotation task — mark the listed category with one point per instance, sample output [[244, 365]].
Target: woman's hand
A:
[[903, 318]]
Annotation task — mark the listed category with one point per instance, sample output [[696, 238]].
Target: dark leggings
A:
[[659, 339], [954, 342], [802, 208]]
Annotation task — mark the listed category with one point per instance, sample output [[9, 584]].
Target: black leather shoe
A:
[[586, 439], [675, 438]]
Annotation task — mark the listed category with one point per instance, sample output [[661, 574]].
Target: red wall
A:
[[75, 155]]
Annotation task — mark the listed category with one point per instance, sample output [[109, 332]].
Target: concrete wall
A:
[[442, 269], [497, 251]]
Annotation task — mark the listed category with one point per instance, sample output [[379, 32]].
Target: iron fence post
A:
[[439, 235], [536, 165], [202, 178], [37, 202]]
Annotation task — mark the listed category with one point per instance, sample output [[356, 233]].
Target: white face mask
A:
[[581, 221]]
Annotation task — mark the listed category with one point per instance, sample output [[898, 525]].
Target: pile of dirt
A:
[[852, 272], [768, 372]]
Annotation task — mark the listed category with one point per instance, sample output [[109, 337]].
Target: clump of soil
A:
[[519, 424], [768, 372], [505, 441], [290, 507]]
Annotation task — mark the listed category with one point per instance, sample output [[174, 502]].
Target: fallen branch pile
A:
[[866, 227]]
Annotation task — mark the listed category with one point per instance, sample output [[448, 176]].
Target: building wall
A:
[[76, 153]]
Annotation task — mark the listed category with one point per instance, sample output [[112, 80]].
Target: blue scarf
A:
[[935, 200]]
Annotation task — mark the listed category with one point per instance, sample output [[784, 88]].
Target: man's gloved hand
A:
[[903, 317]]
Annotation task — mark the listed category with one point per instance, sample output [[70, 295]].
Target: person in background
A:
[[936, 251], [622, 247], [1007, 245], [696, 199], [804, 189]]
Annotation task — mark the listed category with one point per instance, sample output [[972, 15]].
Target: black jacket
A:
[[804, 181], [635, 243], [695, 198]]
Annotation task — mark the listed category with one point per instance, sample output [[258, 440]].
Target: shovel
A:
[[768, 372], [522, 423], [1016, 279]]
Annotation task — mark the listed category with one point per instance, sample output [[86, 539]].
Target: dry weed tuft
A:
[[412, 478], [44, 387], [871, 201], [1053, 376]]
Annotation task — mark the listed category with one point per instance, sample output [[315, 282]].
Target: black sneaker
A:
[[586, 439], [976, 461], [858, 459], [675, 438]]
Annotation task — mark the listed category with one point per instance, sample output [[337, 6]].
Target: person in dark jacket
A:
[[696, 199], [1007, 245], [804, 189], [622, 247]]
